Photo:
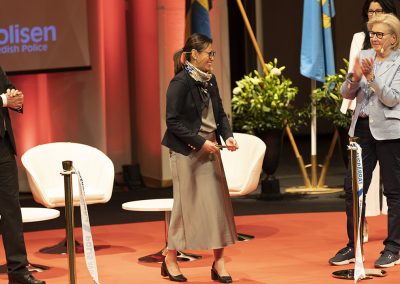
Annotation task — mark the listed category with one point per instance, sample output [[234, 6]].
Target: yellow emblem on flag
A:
[[326, 21], [204, 3]]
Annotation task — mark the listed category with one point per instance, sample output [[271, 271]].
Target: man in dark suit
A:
[[10, 209]]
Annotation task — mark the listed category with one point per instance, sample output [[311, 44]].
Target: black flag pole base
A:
[[349, 274]]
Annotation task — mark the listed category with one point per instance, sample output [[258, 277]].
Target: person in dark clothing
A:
[[10, 209]]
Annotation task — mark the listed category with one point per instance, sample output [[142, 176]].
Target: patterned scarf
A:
[[196, 73], [201, 79]]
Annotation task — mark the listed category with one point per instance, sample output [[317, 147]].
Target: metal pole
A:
[[69, 217], [300, 161], [321, 181], [314, 163], [354, 185], [349, 273], [252, 36]]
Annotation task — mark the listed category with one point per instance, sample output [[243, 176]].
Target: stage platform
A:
[[288, 248], [295, 236]]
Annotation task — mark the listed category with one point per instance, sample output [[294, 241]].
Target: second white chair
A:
[[243, 167]]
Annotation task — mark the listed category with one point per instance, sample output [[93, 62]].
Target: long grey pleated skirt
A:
[[202, 215]]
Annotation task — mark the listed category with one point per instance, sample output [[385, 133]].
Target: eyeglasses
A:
[[210, 54], [379, 35], [376, 12]]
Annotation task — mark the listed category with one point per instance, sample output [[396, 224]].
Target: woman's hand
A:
[[231, 144], [367, 66], [210, 147], [357, 70]]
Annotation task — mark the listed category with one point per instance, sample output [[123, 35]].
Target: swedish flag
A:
[[197, 17], [317, 58]]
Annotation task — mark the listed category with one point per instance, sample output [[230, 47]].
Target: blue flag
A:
[[317, 59], [197, 17]]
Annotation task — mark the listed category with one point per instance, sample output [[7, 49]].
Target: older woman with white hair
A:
[[375, 85]]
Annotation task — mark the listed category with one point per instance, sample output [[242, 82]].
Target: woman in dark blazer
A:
[[202, 215]]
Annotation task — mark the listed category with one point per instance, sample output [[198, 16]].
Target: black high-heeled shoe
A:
[[165, 273], [216, 277]]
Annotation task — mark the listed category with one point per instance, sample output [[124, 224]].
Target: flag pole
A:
[[252, 36], [321, 181], [317, 18], [261, 59], [314, 164]]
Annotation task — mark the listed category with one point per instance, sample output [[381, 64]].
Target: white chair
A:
[[243, 167], [43, 165]]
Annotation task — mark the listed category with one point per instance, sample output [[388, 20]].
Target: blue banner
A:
[[197, 17], [317, 57]]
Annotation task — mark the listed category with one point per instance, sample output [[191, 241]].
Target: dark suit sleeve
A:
[[176, 114], [4, 85], [4, 82]]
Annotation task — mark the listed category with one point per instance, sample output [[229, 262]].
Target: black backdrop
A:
[[282, 28]]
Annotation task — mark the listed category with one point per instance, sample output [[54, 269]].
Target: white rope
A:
[[90, 255]]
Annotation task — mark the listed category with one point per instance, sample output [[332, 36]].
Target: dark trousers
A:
[[10, 210], [387, 152]]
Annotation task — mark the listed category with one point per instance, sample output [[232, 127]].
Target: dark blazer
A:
[[4, 85], [183, 115]]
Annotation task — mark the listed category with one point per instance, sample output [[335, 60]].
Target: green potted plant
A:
[[263, 104], [328, 101]]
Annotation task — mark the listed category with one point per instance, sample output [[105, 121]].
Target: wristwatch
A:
[[372, 79], [350, 77]]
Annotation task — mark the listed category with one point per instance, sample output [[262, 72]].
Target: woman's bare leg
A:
[[172, 263], [219, 262]]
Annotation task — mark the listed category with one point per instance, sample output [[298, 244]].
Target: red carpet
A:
[[288, 248]]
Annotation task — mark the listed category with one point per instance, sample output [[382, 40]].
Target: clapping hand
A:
[[15, 98], [367, 65], [357, 70]]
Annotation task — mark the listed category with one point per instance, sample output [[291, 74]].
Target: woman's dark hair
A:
[[196, 41], [388, 7]]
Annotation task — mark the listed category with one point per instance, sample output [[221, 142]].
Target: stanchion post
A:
[[349, 273], [354, 186], [69, 217]]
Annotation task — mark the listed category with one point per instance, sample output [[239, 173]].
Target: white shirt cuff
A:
[[4, 98]]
